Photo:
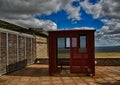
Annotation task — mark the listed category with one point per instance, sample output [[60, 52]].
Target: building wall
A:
[[3, 53], [16, 50], [41, 47]]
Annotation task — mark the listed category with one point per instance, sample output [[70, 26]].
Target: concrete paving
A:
[[38, 75]]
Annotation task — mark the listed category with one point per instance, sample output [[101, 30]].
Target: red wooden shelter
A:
[[81, 45]]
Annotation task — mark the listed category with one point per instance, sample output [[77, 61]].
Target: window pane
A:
[[62, 50], [61, 42], [82, 43], [67, 42], [74, 42]]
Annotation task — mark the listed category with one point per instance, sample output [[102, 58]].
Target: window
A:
[[61, 42], [67, 42], [82, 43], [74, 42], [63, 47]]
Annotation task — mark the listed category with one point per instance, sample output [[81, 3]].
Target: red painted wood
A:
[[80, 62]]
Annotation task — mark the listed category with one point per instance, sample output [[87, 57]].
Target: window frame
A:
[[79, 41]]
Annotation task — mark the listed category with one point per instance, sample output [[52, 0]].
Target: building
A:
[[41, 45], [17, 46], [75, 46]]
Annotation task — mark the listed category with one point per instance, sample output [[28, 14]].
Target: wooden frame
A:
[[85, 60]]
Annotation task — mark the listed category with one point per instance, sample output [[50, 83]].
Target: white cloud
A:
[[94, 9], [108, 40], [29, 7], [110, 9], [84, 28], [112, 26], [35, 23], [104, 29], [111, 30], [21, 11], [72, 11]]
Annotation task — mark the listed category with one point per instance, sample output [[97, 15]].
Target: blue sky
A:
[[62, 21], [60, 18], [102, 15]]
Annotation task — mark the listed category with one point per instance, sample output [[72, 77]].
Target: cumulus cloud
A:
[[35, 23], [21, 11], [72, 11], [111, 8], [29, 7], [109, 33], [112, 26], [108, 40], [94, 9]]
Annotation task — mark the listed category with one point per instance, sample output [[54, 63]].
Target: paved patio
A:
[[38, 75]]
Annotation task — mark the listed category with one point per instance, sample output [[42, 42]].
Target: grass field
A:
[[97, 55], [63, 55], [107, 55]]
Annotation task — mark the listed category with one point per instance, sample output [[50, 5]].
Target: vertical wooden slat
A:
[[31, 52], [52, 54], [2, 53], [7, 48], [33, 49], [17, 51], [25, 48], [21, 52], [12, 52]]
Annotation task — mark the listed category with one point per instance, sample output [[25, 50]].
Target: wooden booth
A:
[[77, 46]]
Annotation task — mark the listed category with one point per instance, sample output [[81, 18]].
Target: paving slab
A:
[[38, 75]]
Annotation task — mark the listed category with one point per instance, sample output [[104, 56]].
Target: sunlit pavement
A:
[[38, 75]]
